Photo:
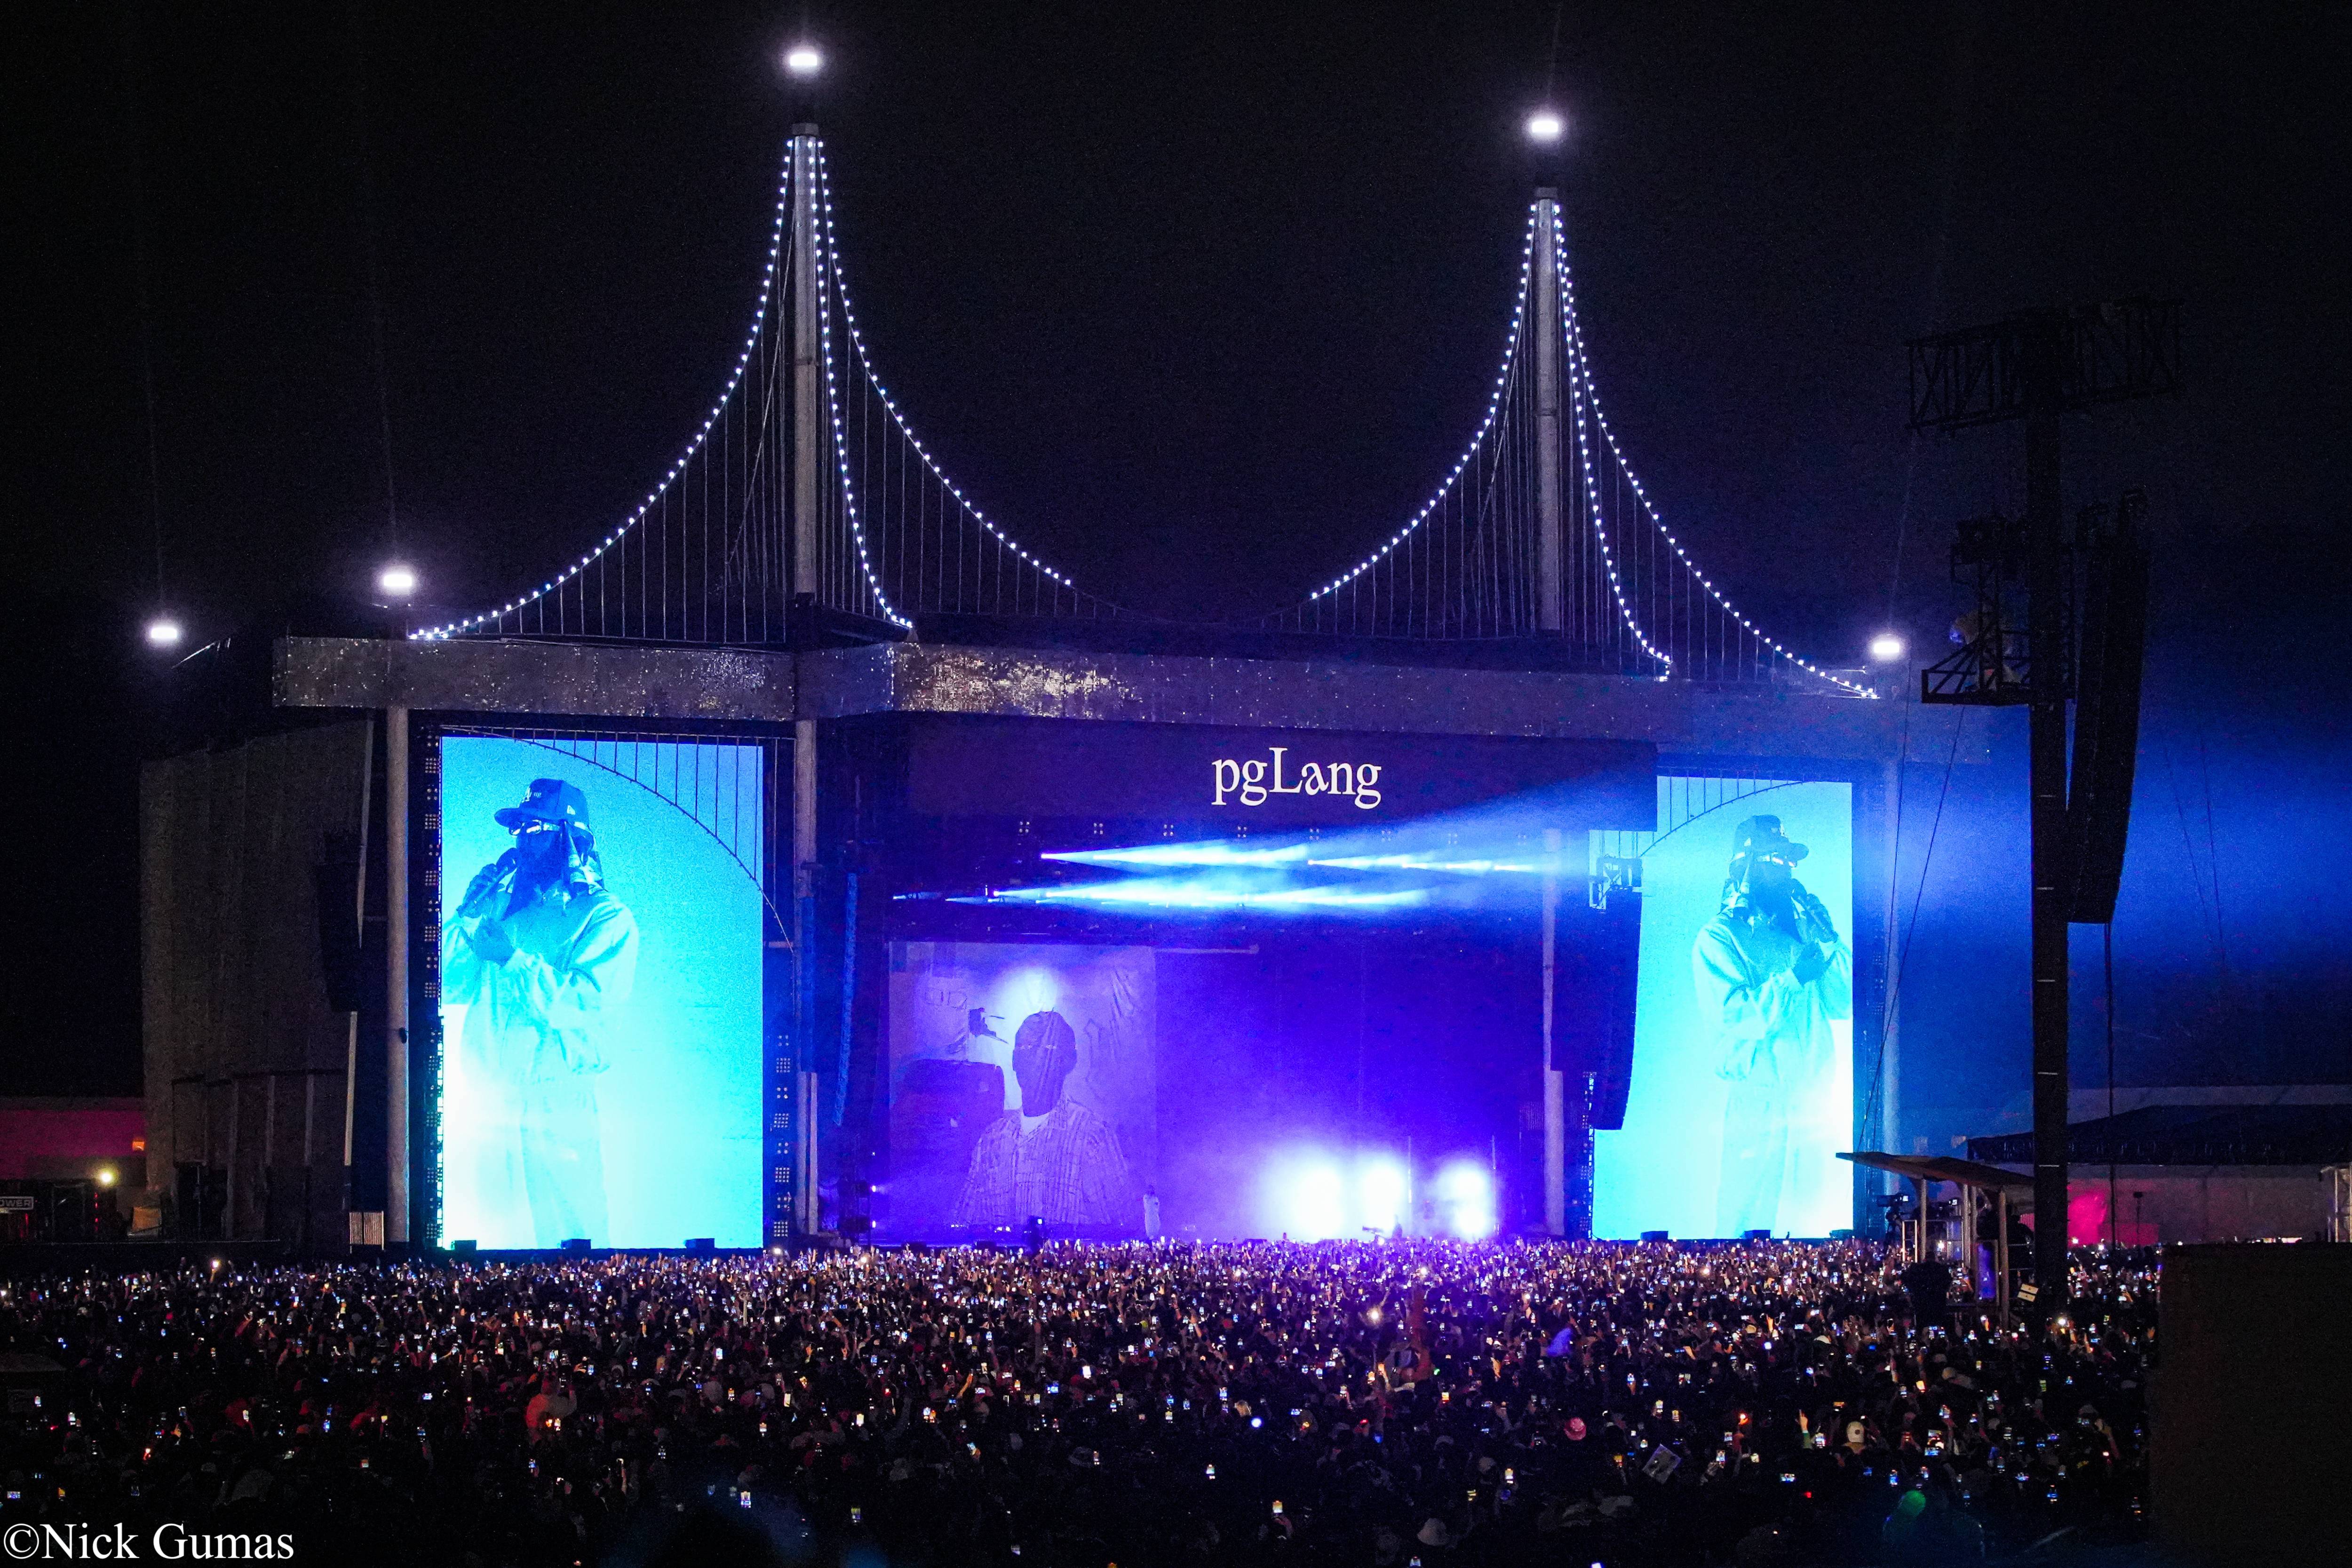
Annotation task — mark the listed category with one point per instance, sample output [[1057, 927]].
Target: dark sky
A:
[[1197, 299]]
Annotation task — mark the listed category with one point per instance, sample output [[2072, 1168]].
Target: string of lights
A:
[[1652, 605], [1485, 425], [890, 405], [1581, 370], [1464, 564], [1579, 398], [829, 284], [490, 618]]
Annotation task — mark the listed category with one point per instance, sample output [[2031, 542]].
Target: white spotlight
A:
[[163, 632], [1465, 1200], [1545, 125], [1383, 1192], [397, 580], [1888, 649], [802, 60]]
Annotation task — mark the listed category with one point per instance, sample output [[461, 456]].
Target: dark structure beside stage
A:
[[2253, 1341], [263, 972], [2171, 1173]]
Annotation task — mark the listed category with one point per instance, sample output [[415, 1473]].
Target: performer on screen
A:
[[1771, 974], [540, 954], [1052, 1159]]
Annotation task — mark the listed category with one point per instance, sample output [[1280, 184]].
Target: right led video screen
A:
[[1742, 1088]]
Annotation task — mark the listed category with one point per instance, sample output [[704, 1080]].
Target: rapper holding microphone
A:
[[1772, 974], [540, 955]]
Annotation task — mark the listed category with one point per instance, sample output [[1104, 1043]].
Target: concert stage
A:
[[1317, 1010], [806, 854]]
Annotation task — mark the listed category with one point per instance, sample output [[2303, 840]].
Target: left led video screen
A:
[[601, 995]]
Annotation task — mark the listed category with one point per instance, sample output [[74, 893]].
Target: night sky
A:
[[1197, 301]]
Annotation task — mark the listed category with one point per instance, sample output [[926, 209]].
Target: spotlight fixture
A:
[[163, 632], [1887, 648], [802, 60], [1545, 125], [397, 580]]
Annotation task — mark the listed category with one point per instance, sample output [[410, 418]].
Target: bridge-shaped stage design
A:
[[804, 577]]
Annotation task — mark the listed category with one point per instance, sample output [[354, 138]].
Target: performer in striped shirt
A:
[[1052, 1159]]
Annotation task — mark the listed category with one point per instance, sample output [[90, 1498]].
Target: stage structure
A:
[[887, 856]]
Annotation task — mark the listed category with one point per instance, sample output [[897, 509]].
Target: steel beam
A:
[[773, 688], [2045, 568], [395, 1032], [1551, 608]]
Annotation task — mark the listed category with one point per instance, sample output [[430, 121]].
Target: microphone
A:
[[497, 877], [1816, 914]]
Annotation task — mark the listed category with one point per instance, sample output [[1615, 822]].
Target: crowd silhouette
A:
[[1376, 1403]]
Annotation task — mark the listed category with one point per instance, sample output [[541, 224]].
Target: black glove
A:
[[491, 942], [1812, 962], [1814, 922]]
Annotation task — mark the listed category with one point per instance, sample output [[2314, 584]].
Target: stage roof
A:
[[583, 681], [2196, 1135], [1942, 1168]]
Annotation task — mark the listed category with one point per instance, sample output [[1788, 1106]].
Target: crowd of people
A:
[[1381, 1404]]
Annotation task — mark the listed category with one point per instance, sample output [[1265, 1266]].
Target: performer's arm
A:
[[1836, 987], [597, 973], [1748, 1007], [1834, 982], [463, 965]]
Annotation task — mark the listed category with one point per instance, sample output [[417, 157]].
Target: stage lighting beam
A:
[[1212, 853], [1193, 893], [1465, 1200]]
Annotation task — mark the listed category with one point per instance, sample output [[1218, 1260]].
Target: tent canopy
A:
[[1941, 1168]]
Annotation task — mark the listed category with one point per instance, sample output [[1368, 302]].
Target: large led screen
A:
[[600, 994], [1022, 1086], [1742, 1089]]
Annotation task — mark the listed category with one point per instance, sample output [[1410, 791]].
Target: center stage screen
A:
[[1742, 1088], [600, 997], [1022, 1085]]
